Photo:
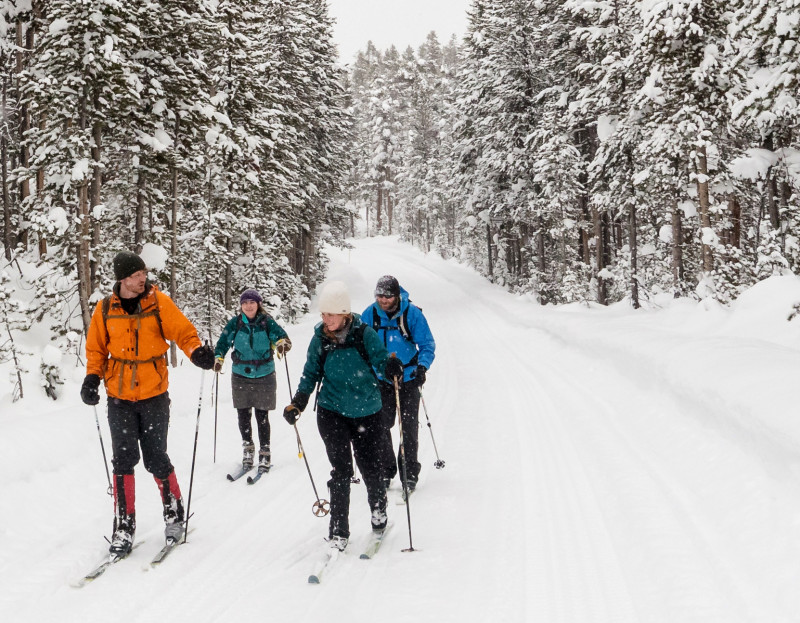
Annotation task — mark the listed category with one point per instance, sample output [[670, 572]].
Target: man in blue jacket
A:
[[404, 331]]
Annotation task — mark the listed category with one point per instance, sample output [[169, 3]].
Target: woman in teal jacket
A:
[[253, 335], [341, 357]]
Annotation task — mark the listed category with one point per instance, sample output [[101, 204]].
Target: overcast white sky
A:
[[398, 22]]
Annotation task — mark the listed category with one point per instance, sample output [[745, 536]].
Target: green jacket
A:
[[252, 343], [349, 385]]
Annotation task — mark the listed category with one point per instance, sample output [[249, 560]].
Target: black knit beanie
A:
[[127, 263]]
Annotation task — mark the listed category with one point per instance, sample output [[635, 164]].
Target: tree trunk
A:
[[599, 256], [228, 275], [83, 254], [489, 250], [541, 264], [585, 251], [83, 251], [138, 231], [705, 207], [308, 253], [677, 251], [428, 234], [378, 205], [96, 189], [389, 211], [25, 117], [736, 221], [24, 187], [173, 272], [8, 228], [634, 257], [771, 186], [39, 192]]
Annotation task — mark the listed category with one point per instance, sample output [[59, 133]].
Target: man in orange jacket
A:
[[127, 347]]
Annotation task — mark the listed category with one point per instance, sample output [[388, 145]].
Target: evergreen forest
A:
[[583, 151]]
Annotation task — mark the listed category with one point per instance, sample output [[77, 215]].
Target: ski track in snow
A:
[[584, 482]]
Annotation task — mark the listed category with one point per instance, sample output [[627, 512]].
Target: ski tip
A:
[[364, 557], [231, 478], [313, 579]]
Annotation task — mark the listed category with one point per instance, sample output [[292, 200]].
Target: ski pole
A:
[[439, 463], [321, 507], [103, 448], [194, 456], [216, 409], [288, 380], [404, 479]]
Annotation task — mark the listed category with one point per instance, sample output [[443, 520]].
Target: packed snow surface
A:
[[602, 465]]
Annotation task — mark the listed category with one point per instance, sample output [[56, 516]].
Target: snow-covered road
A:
[[602, 465]]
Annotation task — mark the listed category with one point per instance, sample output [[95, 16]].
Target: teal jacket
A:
[[252, 342], [349, 386]]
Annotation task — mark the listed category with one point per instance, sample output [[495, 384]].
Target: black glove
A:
[[291, 414], [394, 369], [419, 375], [300, 401], [203, 357], [89, 393]]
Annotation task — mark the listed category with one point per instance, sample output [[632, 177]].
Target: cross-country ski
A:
[[323, 564], [238, 474], [374, 543], [251, 480], [102, 567]]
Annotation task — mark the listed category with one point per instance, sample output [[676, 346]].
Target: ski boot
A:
[[122, 540], [379, 520], [248, 452], [338, 542], [264, 459]]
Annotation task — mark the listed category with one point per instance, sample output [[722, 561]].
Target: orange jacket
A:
[[129, 351]]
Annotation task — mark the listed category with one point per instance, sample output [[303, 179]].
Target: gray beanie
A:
[[387, 286]]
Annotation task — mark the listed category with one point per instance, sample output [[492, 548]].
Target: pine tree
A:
[[80, 87]]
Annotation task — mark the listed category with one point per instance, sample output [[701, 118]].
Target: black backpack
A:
[[402, 323], [329, 346]]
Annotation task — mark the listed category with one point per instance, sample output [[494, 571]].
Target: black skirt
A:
[[258, 393]]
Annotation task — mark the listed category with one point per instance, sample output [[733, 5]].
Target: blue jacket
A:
[[252, 343], [348, 385], [419, 349]]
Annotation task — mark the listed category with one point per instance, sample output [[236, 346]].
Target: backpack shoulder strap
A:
[[358, 344], [360, 347], [402, 324], [104, 308], [376, 321], [158, 316]]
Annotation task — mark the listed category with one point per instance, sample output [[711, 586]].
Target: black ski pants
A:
[[246, 428], [145, 423], [364, 434], [409, 411]]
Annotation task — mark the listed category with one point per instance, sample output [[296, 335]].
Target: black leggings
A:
[[246, 429], [409, 409], [363, 435]]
